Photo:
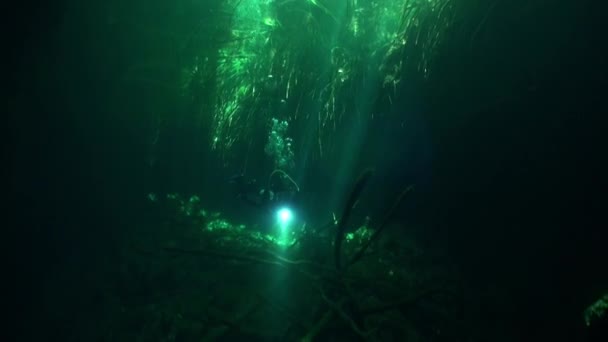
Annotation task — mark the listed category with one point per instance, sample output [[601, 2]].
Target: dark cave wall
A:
[[516, 194]]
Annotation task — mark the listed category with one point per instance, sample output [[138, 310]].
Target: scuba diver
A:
[[280, 189]]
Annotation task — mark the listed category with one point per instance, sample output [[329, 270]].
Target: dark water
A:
[[120, 112]]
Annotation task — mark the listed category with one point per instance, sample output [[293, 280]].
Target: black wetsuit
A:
[[274, 194]]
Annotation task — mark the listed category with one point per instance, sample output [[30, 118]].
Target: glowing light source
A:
[[284, 216]]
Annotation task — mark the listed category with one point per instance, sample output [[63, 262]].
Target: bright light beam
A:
[[284, 215]]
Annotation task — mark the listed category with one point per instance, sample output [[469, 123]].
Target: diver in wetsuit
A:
[[279, 190]]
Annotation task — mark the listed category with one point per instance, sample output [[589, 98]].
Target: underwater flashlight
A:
[[284, 215]]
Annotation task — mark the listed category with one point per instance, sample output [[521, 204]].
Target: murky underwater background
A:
[[298, 170]]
